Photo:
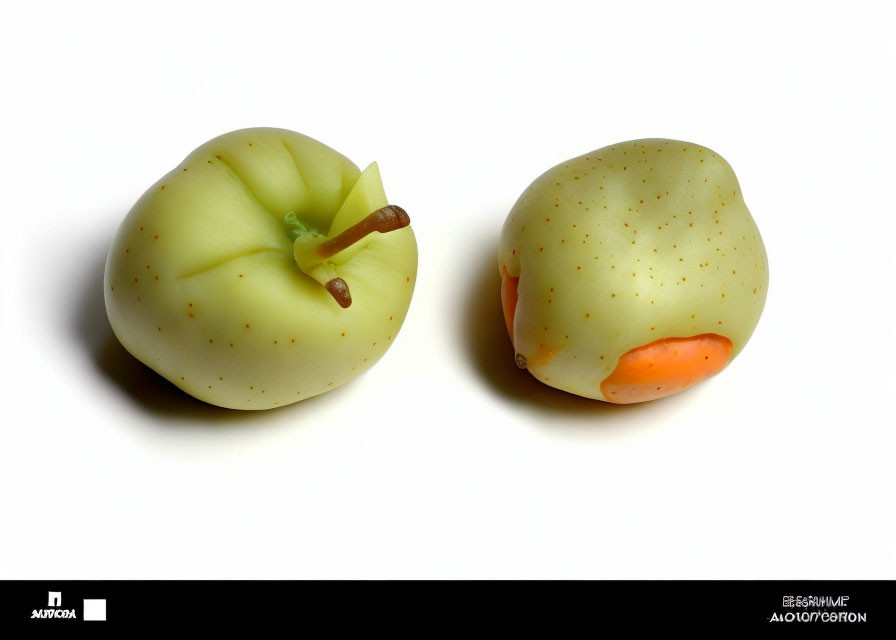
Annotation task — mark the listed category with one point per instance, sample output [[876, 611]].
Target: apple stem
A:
[[339, 290], [388, 218], [311, 255]]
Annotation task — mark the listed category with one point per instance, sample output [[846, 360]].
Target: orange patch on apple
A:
[[666, 366], [509, 298]]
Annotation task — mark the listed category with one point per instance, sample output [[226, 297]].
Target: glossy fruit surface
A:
[[202, 282], [632, 272]]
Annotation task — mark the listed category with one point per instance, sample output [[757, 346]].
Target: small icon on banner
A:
[[94, 609]]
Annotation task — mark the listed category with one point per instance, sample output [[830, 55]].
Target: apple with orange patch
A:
[[632, 272]]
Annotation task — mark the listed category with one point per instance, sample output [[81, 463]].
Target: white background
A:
[[444, 460]]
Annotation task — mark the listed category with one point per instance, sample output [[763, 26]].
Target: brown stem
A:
[[389, 218], [339, 290]]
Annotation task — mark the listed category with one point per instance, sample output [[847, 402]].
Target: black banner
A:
[[461, 606]]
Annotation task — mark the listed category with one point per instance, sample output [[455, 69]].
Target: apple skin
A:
[[619, 248], [201, 283]]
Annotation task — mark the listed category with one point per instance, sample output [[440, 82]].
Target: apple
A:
[[264, 269], [632, 272]]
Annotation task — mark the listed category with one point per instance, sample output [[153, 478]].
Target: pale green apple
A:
[[204, 284], [632, 272]]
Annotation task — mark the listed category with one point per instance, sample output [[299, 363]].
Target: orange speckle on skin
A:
[[542, 356], [190, 315]]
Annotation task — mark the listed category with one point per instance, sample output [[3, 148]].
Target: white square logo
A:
[[94, 609]]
